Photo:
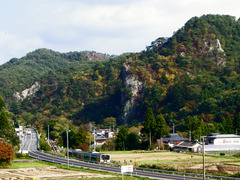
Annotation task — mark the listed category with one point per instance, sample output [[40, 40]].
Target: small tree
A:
[[109, 121], [149, 123], [229, 124], [6, 153], [161, 126], [81, 139], [132, 141], [237, 122], [121, 138]]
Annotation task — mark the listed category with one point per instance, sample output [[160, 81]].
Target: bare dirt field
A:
[[181, 161], [162, 157], [47, 173], [216, 168]]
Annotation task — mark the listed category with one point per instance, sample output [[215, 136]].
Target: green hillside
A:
[[191, 78], [19, 74]]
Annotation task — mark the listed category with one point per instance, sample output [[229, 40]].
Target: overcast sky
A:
[[107, 26]]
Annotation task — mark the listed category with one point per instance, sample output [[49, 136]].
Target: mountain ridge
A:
[[37, 63], [194, 73]]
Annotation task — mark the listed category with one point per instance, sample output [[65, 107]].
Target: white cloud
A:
[[107, 26]]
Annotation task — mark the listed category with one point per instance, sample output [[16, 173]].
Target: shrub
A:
[[237, 175], [6, 153], [237, 155], [44, 145], [20, 155]]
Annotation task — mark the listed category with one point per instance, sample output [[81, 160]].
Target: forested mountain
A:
[[20, 74], [191, 78]]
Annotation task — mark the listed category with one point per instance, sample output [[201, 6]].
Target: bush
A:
[[21, 155], [6, 153], [44, 145], [237, 175], [222, 154], [154, 166], [237, 155]]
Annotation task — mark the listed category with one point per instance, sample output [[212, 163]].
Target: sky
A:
[[106, 26]]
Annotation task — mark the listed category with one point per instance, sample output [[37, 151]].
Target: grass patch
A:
[[34, 164]]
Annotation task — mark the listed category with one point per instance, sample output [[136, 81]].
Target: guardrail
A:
[[151, 170], [183, 173], [54, 154]]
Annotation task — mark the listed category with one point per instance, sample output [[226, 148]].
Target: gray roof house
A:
[[186, 146], [174, 138]]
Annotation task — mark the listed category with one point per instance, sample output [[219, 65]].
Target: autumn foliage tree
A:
[[6, 153]]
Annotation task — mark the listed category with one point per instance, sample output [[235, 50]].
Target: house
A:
[[100, 140], [186, 146], [106, 132], [19, 131], [222, 142], [101, 135], [174, 138]]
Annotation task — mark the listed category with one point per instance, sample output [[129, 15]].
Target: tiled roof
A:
[[174, 137], [186, 144], [223, 136]]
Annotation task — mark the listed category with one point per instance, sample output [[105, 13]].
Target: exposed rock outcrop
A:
[[27, 92], [211, 46], [131, 83]]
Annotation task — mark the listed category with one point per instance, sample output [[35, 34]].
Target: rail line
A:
[[46, 157]]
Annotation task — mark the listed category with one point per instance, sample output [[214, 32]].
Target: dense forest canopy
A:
[[190, 79]]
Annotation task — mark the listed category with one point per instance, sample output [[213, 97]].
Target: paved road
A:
[[30, 140], [31, 146]]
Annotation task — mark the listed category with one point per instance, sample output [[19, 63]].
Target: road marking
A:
[[30, 142]]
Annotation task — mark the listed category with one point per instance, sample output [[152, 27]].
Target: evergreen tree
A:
[[121, 138], [132, 141], [5, 126], [237, 122], [7, 130], [149, 125], [229, 124], [161, 127], [149, 121], [223, 126]]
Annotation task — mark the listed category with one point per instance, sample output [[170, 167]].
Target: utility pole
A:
[[48, 135], [94, 148], [150, 140], [203, 158], [67, 151], [90, 128], [190, 138], [173, 128]]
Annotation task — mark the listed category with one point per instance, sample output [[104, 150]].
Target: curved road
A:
[[30, 145]]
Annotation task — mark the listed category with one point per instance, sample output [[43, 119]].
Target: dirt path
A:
[[47, 173]]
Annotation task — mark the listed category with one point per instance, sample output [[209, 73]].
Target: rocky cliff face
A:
[[210, 47], [129, 97], [27, 92]]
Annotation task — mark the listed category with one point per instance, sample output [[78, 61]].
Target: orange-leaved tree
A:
[[6, 153]]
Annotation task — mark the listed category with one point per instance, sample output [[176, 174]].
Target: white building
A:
[[19, 132], [222, 142]]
